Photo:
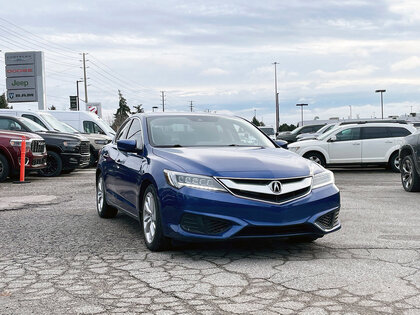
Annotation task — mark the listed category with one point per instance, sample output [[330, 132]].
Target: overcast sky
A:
[[219, 54]]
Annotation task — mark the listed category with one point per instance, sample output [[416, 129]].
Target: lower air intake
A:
[[328, 220], [200, 224]]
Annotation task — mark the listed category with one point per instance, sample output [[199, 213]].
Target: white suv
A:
[[357, 144]]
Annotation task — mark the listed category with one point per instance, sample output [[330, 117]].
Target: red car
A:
[[10, 142]]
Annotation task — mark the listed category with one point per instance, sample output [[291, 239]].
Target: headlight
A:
[[179, 180], [71, 143], [17, 143], [102, 142], [322, 179], [293, 149]]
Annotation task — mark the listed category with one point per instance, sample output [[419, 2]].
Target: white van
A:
[[84, 121]]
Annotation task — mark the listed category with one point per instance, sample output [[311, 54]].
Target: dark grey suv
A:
[[410, 162]]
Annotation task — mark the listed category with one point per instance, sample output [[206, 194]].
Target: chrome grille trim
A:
[[258, 188], [85, 147], [38, 146]]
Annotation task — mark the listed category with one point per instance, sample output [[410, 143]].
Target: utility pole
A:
[[382, 101], [163, 101], [191, 106], [301, 111], [277, 98], [77, 90], [84, 76]]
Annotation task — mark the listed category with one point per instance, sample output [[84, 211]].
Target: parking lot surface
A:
[[57, 256]]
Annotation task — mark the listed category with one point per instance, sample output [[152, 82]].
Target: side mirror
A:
[[281, 143], [332, 139], [127, 145]]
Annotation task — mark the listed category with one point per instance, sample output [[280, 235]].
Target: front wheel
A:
[[410, 179], [4, 168], [315, 157], [104, 210], [151, 221], [54, 165]]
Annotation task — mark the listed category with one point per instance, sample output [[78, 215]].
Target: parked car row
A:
[[66, 148]]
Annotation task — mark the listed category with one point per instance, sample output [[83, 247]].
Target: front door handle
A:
[[356, 143]]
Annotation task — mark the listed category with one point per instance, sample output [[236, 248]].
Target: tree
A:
[[256, 122], [123, 112], [52, 107], [3, 101], [286, 127], [138, 109]]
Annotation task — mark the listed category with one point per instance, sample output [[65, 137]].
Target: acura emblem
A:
[[275, 187]]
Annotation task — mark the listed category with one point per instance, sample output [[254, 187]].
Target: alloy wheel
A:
[[149, 217], [51, 165], [315, 159], [100, 194], [407, 176]]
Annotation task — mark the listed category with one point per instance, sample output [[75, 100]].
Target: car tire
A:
[[68, 171], [315, 157], [151, 222], [410, 178], [54, 165], [104, 209], [4, 168], [394, 162]]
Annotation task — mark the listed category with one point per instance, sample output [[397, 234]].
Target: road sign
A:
[[19, 83], [73, 102], [95, 107], [16, 96], [20, 71]]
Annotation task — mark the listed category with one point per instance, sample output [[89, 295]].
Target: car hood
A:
[[19, 135], [248, 162], [307, 142], [61, 136]]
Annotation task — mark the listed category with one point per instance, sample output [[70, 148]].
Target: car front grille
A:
[[200, 224], [85, 147], [328, 220], [274, 230], [259, 189], [38, 146], [39, 161]]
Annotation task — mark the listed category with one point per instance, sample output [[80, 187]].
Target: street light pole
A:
[[154, 107], [277, 98], [301, 111], [382, 101]]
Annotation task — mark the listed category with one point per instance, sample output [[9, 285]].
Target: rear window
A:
[[399, 132], [374, 132]]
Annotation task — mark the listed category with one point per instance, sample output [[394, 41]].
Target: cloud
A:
[[406, 64], [214, 72], [355, 72]]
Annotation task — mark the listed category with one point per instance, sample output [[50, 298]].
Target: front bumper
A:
[[193, 214], [34, 161], [75, 160]]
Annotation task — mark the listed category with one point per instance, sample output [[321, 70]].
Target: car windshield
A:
[[52, 121], [105, 126], [325, 135], [202, 130], [267, 130], [67, 128], [32, 125]]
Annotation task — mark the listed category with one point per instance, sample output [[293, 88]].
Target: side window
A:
[[348, 134], [9, 124], [122, 132], [134, 132], [35, 119], [398, 132], [88, 127], [98, 129], [375, 132], [305, 130]]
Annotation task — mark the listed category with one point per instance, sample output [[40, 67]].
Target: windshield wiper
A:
[[170, 146]]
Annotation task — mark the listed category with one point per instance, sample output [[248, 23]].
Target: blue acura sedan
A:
[[210, 177]]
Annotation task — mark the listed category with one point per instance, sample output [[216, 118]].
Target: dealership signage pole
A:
[[301, 111], [25, 79]]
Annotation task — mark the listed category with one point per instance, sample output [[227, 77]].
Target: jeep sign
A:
[[19, 83]]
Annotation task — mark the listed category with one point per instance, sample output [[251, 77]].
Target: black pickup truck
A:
[[66, 152], [410, 162]]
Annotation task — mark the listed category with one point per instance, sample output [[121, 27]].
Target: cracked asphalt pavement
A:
[[58, 257]]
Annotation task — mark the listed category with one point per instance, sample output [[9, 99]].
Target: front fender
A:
[[324, 152]]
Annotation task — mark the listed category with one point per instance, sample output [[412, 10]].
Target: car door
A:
[[376, 141], [110, 166], [345, 146], [130, 169]]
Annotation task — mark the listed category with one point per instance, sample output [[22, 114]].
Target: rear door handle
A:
[[356, 143]]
